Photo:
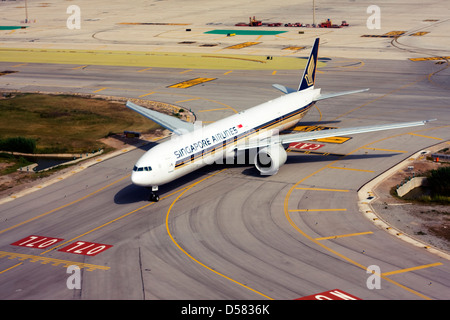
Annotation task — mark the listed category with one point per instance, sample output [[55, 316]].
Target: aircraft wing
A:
[[337, 94], [307, 136], [172, 123], [288, 90]]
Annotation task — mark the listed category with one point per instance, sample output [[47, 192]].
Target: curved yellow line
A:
[[292, 223], [191, 257]]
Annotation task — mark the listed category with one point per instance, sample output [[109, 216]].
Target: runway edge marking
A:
[[53, 261]]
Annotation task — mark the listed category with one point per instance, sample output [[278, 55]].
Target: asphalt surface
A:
[[224, 232]]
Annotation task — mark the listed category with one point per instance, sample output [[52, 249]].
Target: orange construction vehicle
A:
[[254, 22]]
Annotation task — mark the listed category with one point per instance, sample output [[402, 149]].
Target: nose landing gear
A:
[[154, 197]]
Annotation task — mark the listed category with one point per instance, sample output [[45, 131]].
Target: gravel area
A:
[[427, 223]]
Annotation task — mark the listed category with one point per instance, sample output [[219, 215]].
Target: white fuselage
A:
[[185, 153]]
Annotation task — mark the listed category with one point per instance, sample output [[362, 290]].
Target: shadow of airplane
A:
[[133, 193]]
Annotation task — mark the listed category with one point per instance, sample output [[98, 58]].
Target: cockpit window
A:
[[136, 168]]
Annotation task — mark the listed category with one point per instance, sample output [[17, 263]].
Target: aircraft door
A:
[[170, 161]]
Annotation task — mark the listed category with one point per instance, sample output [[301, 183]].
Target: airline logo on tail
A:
[[309, 76]]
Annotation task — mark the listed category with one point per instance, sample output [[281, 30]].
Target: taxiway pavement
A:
[[224, 232]]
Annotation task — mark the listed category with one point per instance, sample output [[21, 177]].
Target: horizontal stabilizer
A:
[[337, 94], [283, 88], [171, 123]]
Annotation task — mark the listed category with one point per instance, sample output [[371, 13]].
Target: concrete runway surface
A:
[[224, 232]]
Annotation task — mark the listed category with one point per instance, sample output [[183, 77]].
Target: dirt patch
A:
[[428, 223]]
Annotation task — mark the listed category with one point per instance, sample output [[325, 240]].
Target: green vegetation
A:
[[63, 123], [11, 163], [439, 185], [436, 192], [18, 144]]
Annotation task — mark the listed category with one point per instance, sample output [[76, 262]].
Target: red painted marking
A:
[[305, 146], [85, 248], [38, 242], [239, 126], [335, 294]]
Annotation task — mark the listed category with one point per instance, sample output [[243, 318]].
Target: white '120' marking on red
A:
[[38, 242], [85, 248]]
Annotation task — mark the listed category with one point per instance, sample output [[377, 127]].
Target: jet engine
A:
[[269, 159]]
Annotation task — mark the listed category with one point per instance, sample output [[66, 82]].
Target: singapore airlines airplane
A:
[[255, 129]]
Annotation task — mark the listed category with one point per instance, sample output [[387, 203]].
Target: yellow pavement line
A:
[[186, 100], [19, 65], [142, 70], [419, 33], [351, 169], [311, 210], [338, 140], [191, 257], [191, 82], [243, 45], [14, 266], [423, 136], [155, 59], [304, 234], [64, 206], [79, 67], [147, 94], [218, 109], [114, 220], [344, 235], [322, 189], [44, 260], [430, 58], [412, 269], [388, 150], [100, 90]]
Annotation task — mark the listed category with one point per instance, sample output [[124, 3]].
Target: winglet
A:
[[309, 74]]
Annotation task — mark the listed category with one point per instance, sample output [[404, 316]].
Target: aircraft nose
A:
[[139, 179]]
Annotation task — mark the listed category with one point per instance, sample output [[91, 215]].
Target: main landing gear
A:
[[154, 197]]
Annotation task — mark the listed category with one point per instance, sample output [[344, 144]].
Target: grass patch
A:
[[67, 124], [10, 163], [436, 192]]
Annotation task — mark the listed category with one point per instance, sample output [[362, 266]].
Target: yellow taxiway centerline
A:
[[191, 257]]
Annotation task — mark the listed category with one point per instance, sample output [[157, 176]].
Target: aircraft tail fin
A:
[[309, 74]]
